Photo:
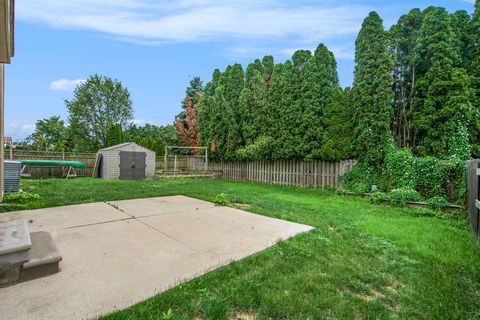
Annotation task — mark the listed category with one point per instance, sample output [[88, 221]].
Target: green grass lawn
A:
[[363, 261]]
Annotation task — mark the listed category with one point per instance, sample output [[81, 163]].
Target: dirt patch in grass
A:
[[244, 315], [241, 206], [372, 295]]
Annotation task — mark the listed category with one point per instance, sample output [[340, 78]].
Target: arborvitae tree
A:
[[459, 22], [443, 107], [403, 38], [219, 108], [206, 113], [275, 96], [337, 140], [283, 102], [294, 131], [268, 65], [253, 103], [372, 93], [232, 81], [318, 88], [115, 135], [473, 69]]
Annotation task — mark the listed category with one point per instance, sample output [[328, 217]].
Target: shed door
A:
[[132, 165]]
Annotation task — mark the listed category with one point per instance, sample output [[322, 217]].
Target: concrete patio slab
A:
[[158, 206], [56, 218], [112, 264]]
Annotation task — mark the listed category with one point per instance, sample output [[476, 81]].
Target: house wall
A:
[[110, 168], [2, 99]]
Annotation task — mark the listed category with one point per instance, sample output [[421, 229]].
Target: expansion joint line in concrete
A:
[[151, 227]]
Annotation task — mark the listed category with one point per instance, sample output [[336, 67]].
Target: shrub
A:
[[222, 200], [261, 149], [453, 179], [429, 177], [399, 169], [378, 197], [399, 197], [437, 203], [20, 198], [427, 212], [361, 178]]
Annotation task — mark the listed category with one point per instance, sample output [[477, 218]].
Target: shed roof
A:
[[122, 145]]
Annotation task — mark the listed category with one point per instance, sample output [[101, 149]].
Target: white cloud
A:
[[141, 122], [151, 22], [65, 84], [19, 129], [340, 52]]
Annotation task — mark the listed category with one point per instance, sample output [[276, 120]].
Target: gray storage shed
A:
[[126, 161]]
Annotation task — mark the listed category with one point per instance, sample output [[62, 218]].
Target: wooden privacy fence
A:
[[283, 172], [87, 158], [473, 178], [175, 162]]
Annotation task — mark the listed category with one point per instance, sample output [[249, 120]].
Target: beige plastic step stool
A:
[[26, 256], [43, 258]]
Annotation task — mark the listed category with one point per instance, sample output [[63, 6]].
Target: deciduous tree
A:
[[98, 104]]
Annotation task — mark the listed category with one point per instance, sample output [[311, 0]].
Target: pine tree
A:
[[443, 94], [114, 135], [193, 94], [188, 128], [372, 93]]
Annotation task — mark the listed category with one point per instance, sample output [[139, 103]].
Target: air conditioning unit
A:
[[11, 180]]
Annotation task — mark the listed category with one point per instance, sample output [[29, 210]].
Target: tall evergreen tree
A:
[[219, 108], [206, 112], [372, 92], [473, 57], [283, 102], [318, 88], [337, 140], [403, 38], [253, 103], [460, 21], [115, 135], [192, 95], [443, 95]]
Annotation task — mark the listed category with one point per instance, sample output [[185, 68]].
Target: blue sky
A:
[[155, 47]]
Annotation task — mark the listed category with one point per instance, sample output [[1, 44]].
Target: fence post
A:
[[206, 159], [165, 159]]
